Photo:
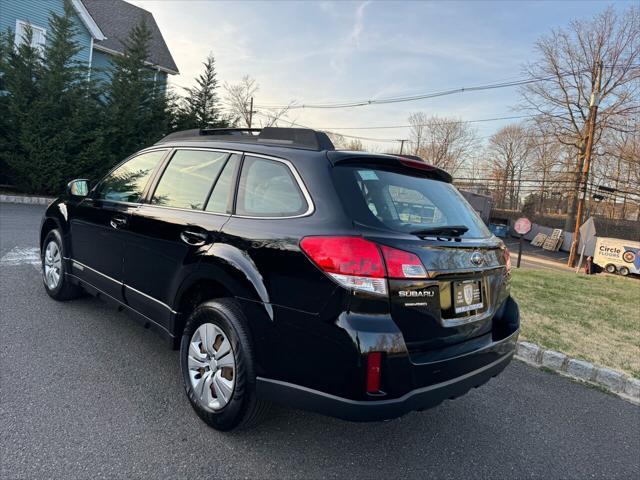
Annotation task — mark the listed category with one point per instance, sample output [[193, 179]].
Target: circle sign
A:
[[522, 226]]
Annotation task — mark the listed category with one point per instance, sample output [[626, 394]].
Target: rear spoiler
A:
[[405, 162]]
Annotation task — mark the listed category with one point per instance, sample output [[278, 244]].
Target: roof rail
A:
[[286, 137]]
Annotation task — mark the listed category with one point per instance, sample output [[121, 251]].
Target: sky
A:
[[314, 52]]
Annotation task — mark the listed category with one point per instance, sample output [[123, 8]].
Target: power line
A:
[[454, 122], [411, 98]]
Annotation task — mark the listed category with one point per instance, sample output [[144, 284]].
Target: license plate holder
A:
[[467, 296]]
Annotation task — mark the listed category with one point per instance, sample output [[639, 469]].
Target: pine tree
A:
[[137, 107], [201, 107], [21, 70]]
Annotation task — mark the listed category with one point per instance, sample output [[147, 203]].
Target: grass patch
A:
[[591, 317]]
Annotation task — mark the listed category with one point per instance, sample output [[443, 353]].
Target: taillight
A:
[[358, 264], [401, 264], [507, 260], [352, 261], [374, 361]]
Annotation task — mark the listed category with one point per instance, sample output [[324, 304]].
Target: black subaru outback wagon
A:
[[358, 285]]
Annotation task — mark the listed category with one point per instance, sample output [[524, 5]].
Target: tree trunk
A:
[[541, 202]]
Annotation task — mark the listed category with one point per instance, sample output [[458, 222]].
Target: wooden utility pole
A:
[[250, 112], [401, 145], [584, 175]]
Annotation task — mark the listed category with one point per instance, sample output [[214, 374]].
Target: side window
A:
[[187, 180], [38, 34], [126, 183], [268, 189], [220, 200]]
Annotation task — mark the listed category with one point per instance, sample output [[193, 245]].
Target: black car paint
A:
[[310, 334]]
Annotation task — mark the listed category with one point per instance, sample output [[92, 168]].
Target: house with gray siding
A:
[[102, 25]]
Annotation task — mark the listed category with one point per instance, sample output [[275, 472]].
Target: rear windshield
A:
[[403, 202]]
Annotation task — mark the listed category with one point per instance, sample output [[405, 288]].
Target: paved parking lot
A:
[[87, 392]]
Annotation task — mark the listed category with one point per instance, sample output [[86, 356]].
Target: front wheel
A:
[[55, 281], [218, 368]]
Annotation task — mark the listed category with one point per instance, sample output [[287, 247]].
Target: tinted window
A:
[[268, 189], [220, 200], [404, 202], [127, 182], [188, 178]]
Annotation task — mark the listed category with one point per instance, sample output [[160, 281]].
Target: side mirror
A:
[[78, 187]]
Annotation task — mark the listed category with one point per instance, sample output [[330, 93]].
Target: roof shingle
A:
[[116, 18]]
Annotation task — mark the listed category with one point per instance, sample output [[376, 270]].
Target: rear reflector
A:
[[359, 264], [374, 360]]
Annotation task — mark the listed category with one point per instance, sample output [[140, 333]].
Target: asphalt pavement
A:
[[87, 392]]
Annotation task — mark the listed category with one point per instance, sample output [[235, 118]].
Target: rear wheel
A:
[[55, 281], [624, 271], [218, 368], [610, 268]]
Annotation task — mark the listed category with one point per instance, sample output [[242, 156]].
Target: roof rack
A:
[[284, 137]]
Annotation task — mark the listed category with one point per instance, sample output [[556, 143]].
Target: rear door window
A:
[[221, 199], [188, 178], [268, 189], [403, 202]]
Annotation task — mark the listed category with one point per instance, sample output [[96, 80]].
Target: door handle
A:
[[194, 238], [118, 221]]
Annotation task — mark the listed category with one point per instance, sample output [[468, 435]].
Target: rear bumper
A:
[[371, 410]]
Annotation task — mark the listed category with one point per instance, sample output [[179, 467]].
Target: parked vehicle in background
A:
[[357, 285], [617, 256]]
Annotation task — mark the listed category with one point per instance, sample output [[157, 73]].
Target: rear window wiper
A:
[[447, 231]]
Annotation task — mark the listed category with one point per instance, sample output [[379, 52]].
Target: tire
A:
[[54, 279], [624, 271], [610, 268], [222, 324]]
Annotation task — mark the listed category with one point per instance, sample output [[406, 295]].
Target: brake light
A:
[[353, 262], [401, 264], [374, 361], [359, 264], [507, 260], [420, 165]]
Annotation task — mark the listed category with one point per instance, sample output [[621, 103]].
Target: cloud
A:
[[351, 42], [358, 26]]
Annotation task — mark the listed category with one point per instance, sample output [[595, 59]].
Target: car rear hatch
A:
[[401, 205]]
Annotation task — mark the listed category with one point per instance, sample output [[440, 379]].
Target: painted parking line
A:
[[21, 256]]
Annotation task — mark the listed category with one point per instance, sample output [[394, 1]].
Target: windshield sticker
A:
[[367, 175]]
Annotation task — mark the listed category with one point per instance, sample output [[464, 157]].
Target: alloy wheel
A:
[[52, 265], [212, 366]]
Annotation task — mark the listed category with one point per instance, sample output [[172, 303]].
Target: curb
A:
[[612, 381], [25, 199]]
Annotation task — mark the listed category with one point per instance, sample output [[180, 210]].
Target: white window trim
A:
[[20, 27]]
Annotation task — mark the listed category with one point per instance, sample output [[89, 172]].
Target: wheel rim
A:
[[52, 265], [212, 366]]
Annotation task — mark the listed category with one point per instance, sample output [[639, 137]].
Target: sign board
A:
[[617, 252], [522, 226]]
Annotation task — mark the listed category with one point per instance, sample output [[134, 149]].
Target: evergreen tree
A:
[[21, 70], [137, 107], [54, 127], [201, 107]]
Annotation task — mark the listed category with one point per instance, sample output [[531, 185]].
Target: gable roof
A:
[[116, 18], [88, 20]]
